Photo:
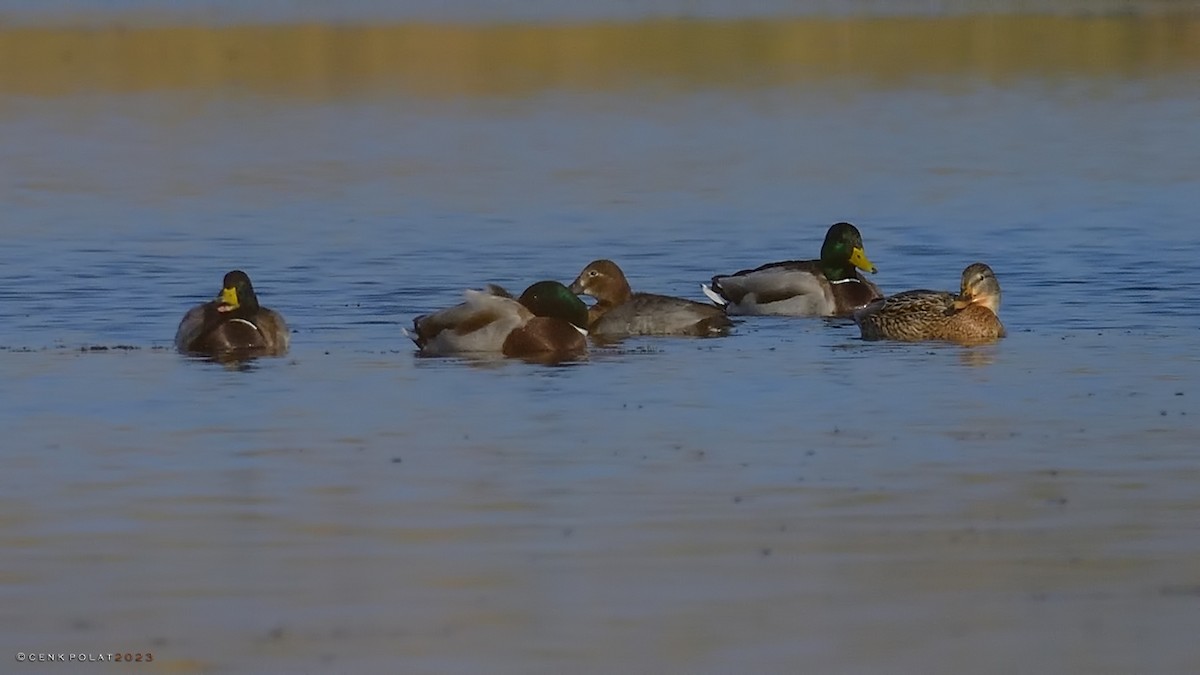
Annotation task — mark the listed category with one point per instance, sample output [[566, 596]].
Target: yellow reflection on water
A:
[[324, 60]]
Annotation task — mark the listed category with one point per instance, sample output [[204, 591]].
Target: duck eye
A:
[[593, 273]]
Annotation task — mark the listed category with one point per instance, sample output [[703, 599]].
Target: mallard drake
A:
[[233, 324], [970, 317], [546, 321], [620, 312], [830, 286]]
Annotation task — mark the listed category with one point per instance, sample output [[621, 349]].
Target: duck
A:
[[547, 322], [233, 324], [619, 312], [969, 317], [829, 286]]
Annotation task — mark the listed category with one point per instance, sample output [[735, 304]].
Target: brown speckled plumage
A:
[[968, 317]]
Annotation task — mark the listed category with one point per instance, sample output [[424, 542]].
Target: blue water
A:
[[788, 494]]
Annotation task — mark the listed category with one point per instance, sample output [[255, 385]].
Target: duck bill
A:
[[858, 258], [576, 286], [229, 300]]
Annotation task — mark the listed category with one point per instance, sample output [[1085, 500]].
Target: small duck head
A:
[[552, 299], [604, 281], [979, 287], [237, 293], [843, 251]]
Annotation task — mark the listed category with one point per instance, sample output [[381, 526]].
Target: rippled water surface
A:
[[785, 499]]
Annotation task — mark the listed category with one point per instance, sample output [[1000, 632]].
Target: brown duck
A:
[[620, 312], [969, 317]]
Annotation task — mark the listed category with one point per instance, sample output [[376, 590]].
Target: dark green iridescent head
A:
[[842, 252], [552, 299], [237, 293]]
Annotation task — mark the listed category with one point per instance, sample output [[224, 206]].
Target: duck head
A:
[[979, 287], [604, 281], [237, 293], [842, 252], [552, 299]]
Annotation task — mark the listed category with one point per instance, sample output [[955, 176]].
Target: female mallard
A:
[[967, 318], [620, 312], [830, 286], [548, 321], [233, 324]]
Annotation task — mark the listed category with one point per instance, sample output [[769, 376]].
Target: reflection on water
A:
[[788, 494]]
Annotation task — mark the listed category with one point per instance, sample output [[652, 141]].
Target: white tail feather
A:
[[714, 296]]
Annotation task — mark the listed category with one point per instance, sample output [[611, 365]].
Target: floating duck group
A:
[[549, 322]]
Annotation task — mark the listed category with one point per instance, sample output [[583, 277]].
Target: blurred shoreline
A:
[[431, 59], [111, 13]]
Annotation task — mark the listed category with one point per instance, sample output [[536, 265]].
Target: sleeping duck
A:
[[970, 317], [233, 324], [548, 322], [830, 286], [620, 312]]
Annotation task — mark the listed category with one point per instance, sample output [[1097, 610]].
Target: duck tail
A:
[[714, 296], [415, 333], [498, 291]]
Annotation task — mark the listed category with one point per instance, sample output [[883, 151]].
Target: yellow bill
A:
[[858, 258], [229, 298]]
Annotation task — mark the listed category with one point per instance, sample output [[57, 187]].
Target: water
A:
[[789, 494]]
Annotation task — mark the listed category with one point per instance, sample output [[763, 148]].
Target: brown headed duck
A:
[[620, 312]]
